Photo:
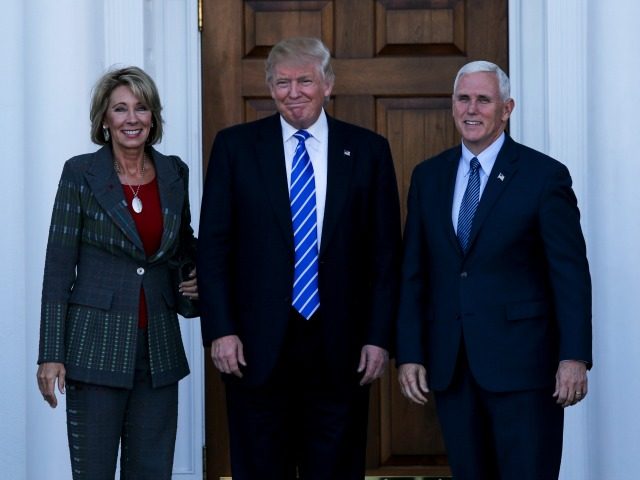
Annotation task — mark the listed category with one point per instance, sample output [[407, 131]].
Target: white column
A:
[[567, 107], [172, 57], [614, 197], [124, 33], [548, 60], [63, 52], [528, 73], [13, 388]]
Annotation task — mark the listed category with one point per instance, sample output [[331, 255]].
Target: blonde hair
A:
[[298, 49], [141, 85]]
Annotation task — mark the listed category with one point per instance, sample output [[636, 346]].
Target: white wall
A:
[[574, 65], [12, 255], [51, 54], [614, 170], [61, 60]]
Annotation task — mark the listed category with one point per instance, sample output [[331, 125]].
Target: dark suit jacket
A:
[[95, 266], [245, 258], [520, 299]]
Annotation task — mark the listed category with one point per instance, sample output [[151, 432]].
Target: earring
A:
[[105, 132]]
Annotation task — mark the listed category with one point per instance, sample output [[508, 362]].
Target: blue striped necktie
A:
[[469, 205], [302, 195]]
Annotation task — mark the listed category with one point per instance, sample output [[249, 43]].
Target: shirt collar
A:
[[314, 130], [487, 157]]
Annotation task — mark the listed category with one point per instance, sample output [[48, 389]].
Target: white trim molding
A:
[[124, 27], [567, 90], [528, 73]]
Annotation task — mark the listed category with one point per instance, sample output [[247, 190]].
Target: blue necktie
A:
[[469, 205], [302, 196]]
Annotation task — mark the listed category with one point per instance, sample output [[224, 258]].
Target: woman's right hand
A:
[[47, 374]]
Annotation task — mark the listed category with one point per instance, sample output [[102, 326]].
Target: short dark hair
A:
[[141, 85]]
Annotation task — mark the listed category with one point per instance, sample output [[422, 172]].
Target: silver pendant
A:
[[136, 204]]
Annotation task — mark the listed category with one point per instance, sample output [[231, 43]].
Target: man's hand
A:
[[47, 375], [413, 382], [571, 382], [373, 361], [227, 355]]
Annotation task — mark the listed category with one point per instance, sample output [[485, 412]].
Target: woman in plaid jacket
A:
[[109, 333]]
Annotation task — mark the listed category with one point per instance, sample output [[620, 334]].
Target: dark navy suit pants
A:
[[499, 435]]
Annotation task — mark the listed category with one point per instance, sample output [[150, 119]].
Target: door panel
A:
[[394, 62]]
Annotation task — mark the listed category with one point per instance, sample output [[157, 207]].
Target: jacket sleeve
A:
[[215, 246], [386, 248], [185, 257], [60, 266], [187, 240], [570, 280], [413, 284]]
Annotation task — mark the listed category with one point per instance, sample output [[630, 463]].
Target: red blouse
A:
[[149, 225]]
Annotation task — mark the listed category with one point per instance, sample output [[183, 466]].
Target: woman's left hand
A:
[[189, 288]]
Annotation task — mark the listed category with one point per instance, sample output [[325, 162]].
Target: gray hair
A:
[[300, 50], [141, 85], [504, 85]]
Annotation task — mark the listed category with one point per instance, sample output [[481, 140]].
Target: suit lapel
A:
[[341, 157], [270, 155], [500, 176], [107, 190], [449, 183], [171, 190]]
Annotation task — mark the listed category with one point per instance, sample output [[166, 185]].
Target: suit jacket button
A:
[[463, 275], [140, 271]]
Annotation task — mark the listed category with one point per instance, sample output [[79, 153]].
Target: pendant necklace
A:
[[136, 203]]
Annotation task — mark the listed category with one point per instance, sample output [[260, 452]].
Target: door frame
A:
[[530, 63]]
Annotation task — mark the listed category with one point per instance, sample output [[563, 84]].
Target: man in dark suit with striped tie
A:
[[495, 304], [298, 265]]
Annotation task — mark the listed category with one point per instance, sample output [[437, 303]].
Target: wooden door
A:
[[395, 61]]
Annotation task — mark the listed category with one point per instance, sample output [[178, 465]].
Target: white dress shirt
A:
[[317, 148], [486, 158]]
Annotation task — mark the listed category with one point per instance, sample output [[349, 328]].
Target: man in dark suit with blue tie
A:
[[495, 305], [298, 266]]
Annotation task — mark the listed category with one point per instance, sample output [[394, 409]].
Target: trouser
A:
[[301, 423], [143, 421], [499, 435]]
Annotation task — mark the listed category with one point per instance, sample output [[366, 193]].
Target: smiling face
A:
[[479, 112], [128, 120], [299, 91]]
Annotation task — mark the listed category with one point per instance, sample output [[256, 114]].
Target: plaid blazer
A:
[[95, 266]]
